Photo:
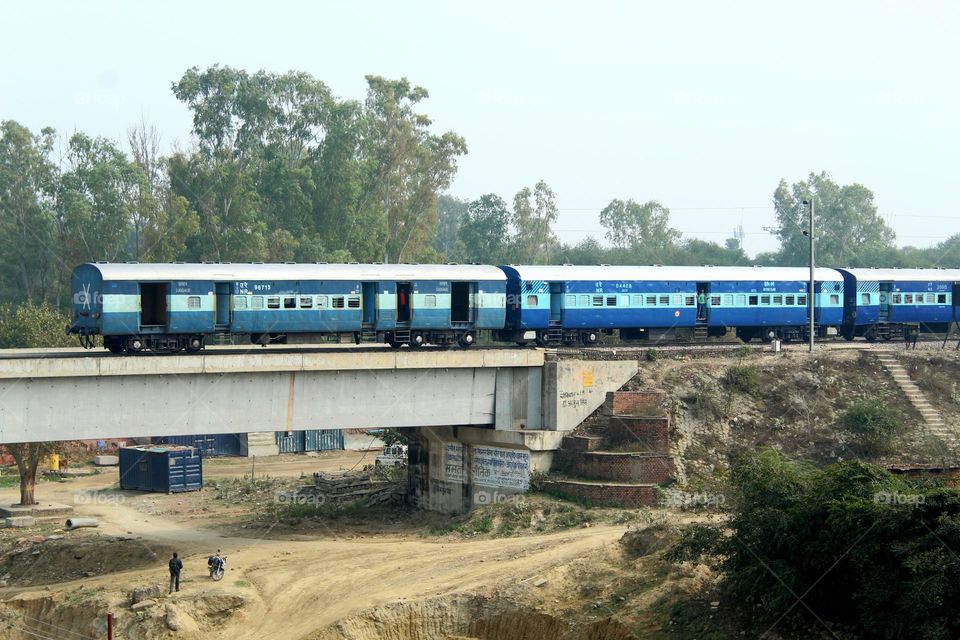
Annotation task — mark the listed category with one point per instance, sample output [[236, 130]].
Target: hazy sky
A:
[[703, 106]]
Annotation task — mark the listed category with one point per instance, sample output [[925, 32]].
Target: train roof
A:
[[905, 275], [307, 271], [664, 273]]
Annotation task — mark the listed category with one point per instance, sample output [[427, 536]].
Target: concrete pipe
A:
[[77, 523]]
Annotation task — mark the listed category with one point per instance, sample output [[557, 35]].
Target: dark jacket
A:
[[176, 564]]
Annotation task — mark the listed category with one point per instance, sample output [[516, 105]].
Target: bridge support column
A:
[[573, 389], [453, 469], [259, 443]]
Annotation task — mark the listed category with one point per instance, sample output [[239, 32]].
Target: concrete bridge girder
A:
[[95, 398]]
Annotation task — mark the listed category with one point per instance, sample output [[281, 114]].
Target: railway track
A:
[[621, 349]]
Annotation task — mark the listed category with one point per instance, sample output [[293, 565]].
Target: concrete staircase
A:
[[931, 417]]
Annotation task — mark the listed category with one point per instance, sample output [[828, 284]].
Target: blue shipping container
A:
[[310, 440], [161, 469], [211, 445]]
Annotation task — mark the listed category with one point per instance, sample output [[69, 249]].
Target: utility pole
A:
[[810, 291]]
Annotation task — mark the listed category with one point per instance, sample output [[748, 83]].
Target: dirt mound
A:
[[82, 613], [466, 617], [37, 561]]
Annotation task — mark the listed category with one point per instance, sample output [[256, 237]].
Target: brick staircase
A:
[[931, 417], [621, 455]]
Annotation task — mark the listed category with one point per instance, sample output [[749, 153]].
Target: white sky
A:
[[701, 105]]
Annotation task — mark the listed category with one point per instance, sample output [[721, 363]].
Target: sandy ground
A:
[[295, 588]]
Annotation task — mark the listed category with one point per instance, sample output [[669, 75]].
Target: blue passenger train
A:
[[175, 307]]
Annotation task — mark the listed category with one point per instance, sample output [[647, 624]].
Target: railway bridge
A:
[[505, 410]]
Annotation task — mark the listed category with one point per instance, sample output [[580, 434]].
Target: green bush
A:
[[862, 547], [873, 421], [538, 480], [34, 326], [696, 540], [744, 378]]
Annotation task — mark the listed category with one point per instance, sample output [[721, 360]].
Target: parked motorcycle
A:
[[217, 565]]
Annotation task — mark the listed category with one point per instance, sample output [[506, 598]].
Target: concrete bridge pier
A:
[[455, 468]]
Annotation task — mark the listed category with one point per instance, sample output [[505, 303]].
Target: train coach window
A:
[[193, 302], [929, 298], [778, 300], [256, 302], [273, 303], [753, 301], [531, 301], [624, 301], [239, 302], [321, 302], [865, 298], [690, 301], [764, 299], [651, 300], [338, 302], [584, 301], [430, 300], [611, 301], [788, 300], [571, 301], [598, 301], [665, 300], [637, 301], [728, 299], [289, 303], [353, 302], [741, 299], [715, 301], [834, 298], [677, 300], [941, 298], [802, 300], [897, 298], [907, 298], [306, 302]]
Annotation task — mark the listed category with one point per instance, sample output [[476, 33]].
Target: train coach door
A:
[[222, 302], [369, 303], [955, 300], [153, 304], [556, 302], [885, 289], [403, 303], [703, 302]]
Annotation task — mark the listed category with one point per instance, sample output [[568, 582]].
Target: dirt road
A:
[[293, 589]]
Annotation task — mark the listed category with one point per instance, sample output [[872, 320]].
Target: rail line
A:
[[621, 348]]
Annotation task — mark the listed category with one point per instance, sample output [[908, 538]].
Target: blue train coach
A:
[[882, 304], [173, 307], [566, 304]]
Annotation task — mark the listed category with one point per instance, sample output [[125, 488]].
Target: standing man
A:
[[701, 305], [176, 565]]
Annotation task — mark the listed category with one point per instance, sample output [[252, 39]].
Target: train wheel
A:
[[418, 340], [541, 339], [467, 340], [134, 345], [588, 338], [195, 343]]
